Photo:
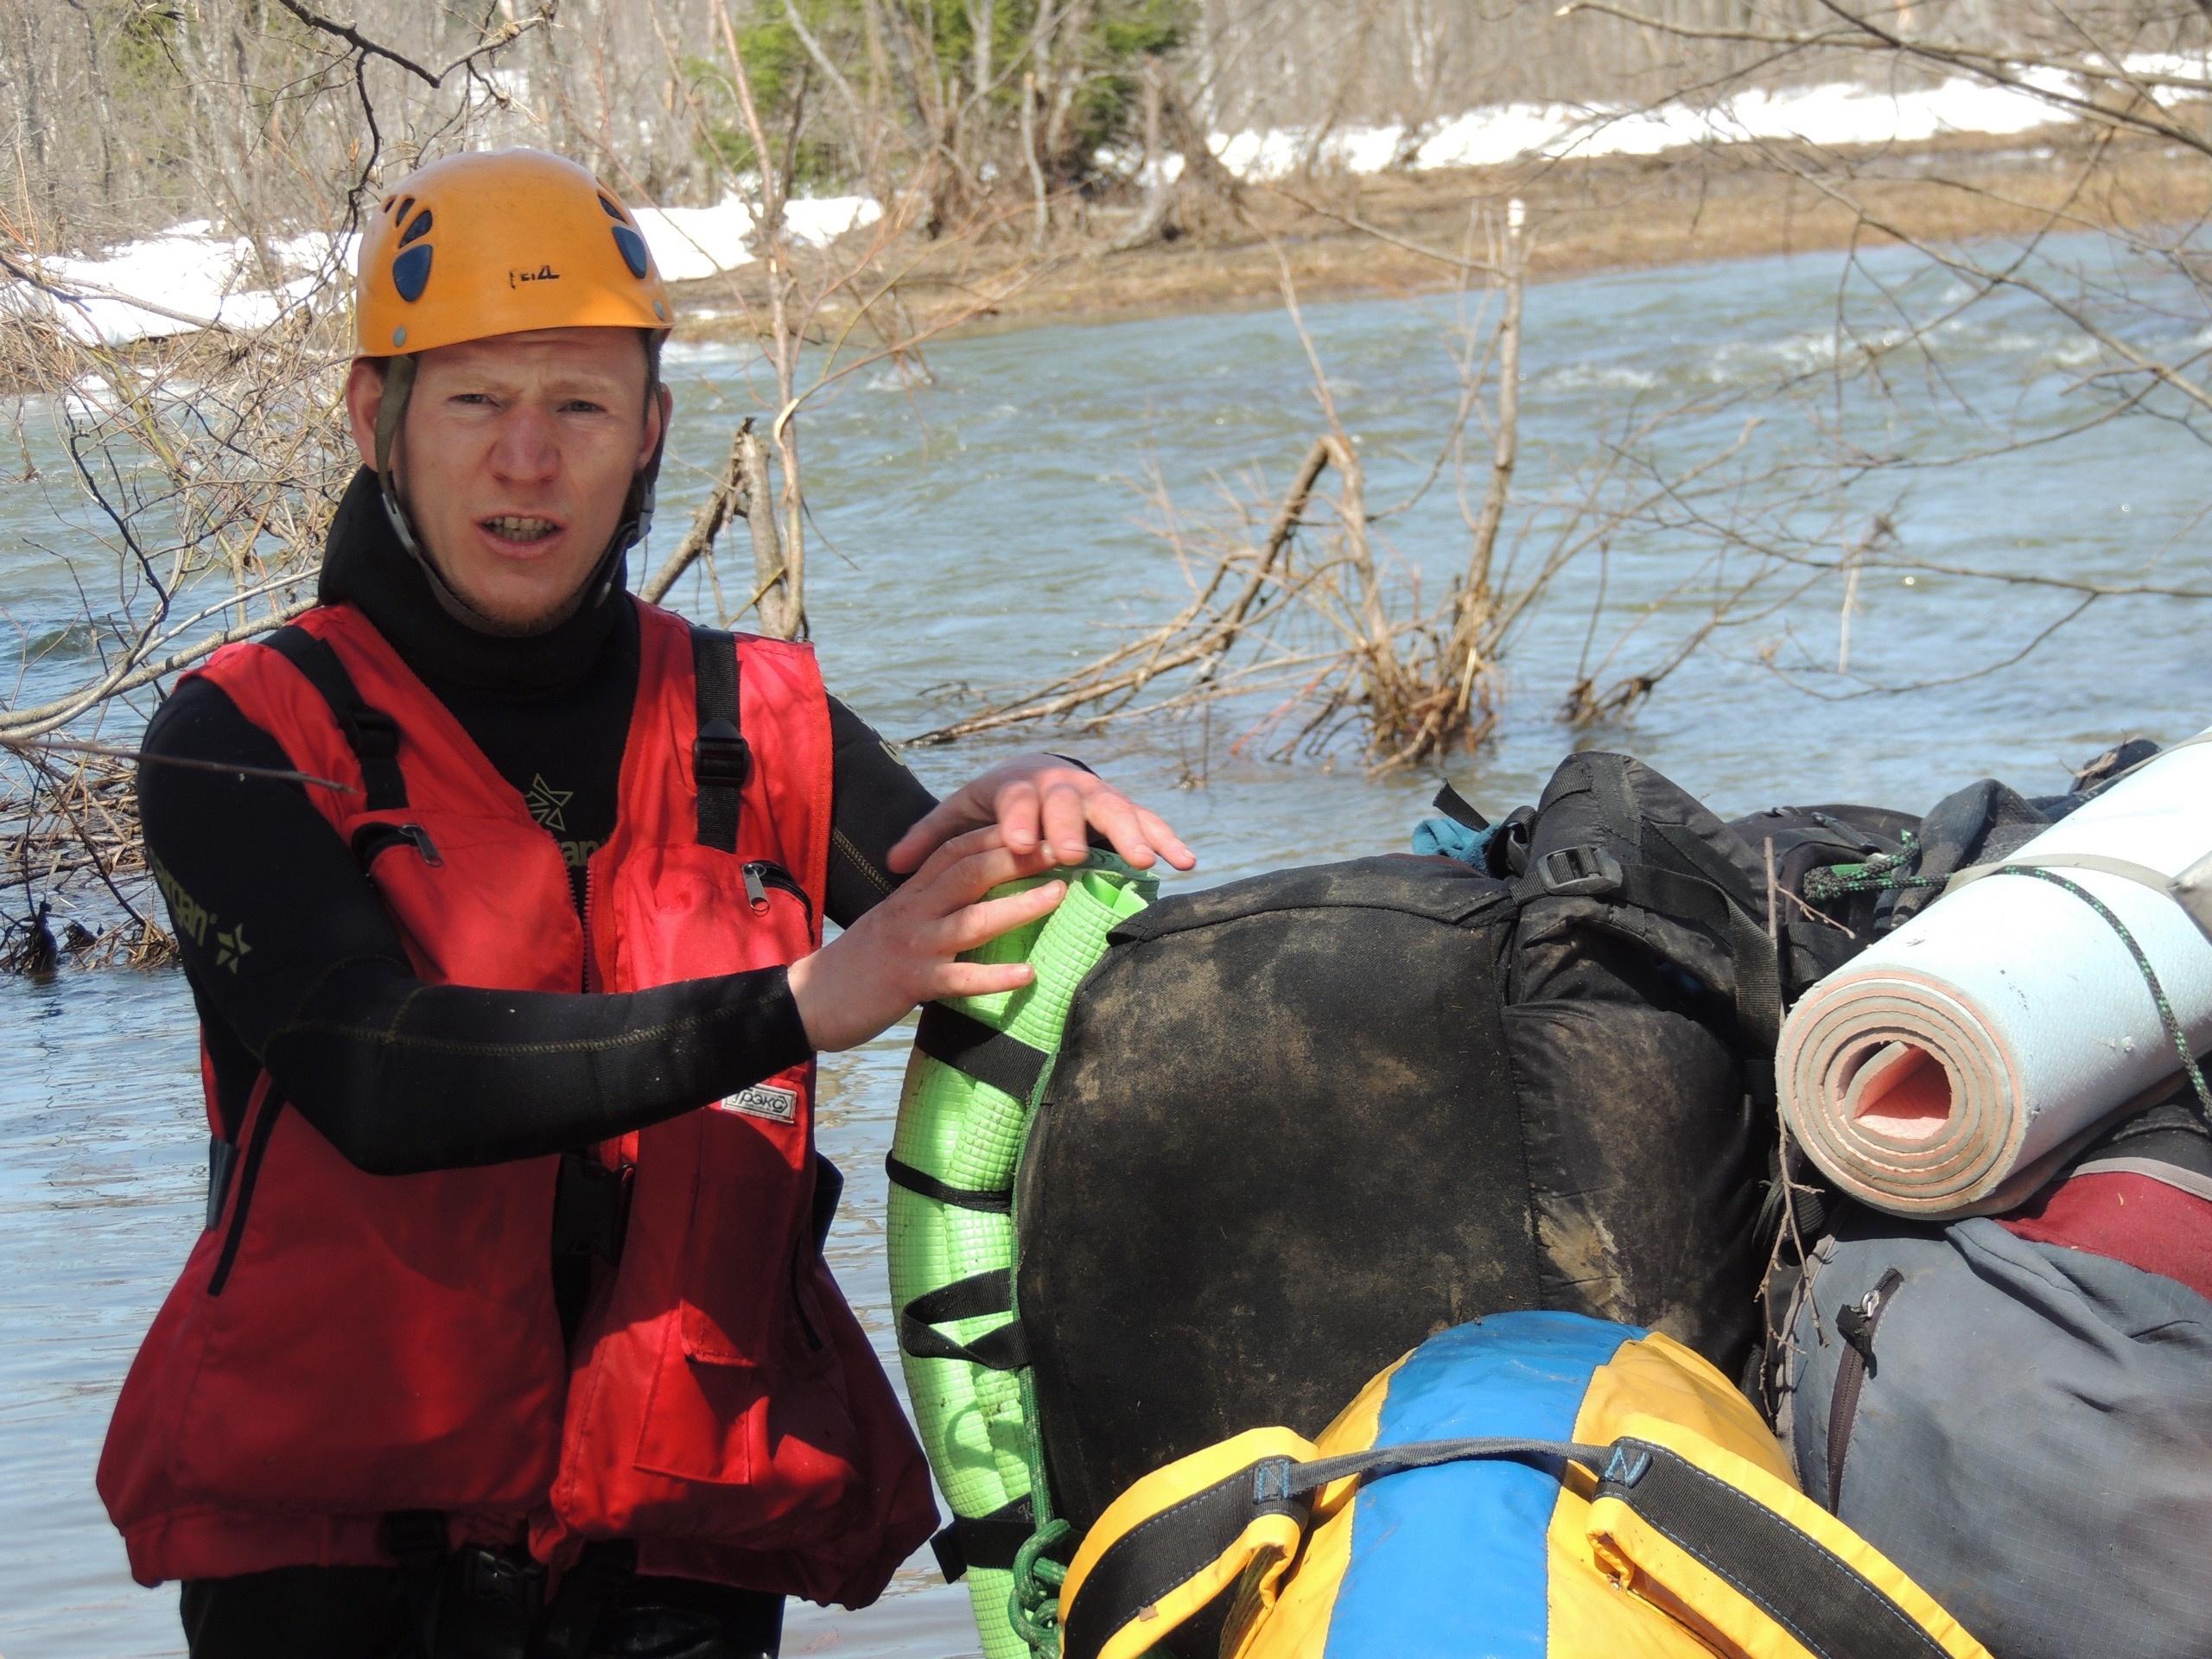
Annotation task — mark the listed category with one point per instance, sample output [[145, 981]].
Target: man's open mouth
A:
[[509, 527]]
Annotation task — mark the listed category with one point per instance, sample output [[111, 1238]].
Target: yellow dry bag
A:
[[1535, 1485]]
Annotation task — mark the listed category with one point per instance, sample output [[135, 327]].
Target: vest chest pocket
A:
[[473, 897]]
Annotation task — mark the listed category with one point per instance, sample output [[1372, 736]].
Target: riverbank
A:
[[1349, 235]]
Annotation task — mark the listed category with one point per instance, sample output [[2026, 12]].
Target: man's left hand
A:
[[1041, 799]]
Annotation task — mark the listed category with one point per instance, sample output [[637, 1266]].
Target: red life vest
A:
[[343, 1345]]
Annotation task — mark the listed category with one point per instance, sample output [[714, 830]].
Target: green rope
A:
[[1888, 873], [1034, 1606], [1884, 872], [2174, 1032]]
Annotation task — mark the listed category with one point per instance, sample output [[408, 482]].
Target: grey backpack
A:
[[2024, 1426]]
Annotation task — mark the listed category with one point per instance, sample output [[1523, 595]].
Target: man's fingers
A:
[[957, 851], [1169, 844], [908, 852], [1019, 815], [1066, 821], [1114, 816], [980, 923], [967, 875], [979, 978]]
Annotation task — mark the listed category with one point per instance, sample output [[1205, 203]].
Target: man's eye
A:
[[584, 405], [475, 399]]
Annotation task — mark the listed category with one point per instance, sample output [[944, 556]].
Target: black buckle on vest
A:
[[591, 1208], [720, 758], [1570, 872], [375, 734]]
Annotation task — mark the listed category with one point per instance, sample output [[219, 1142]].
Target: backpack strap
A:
[[1748, 1553], [991, 1541], [1593, 872], [721, 761], [979, 1296], [1732, 1544], [371, 735], [990, 1055]]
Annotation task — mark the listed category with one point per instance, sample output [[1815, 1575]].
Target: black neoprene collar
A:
[[366, 565]]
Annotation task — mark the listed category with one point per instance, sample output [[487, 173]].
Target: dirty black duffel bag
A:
[[1302, 1121]]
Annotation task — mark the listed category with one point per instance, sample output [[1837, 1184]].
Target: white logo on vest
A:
[[763, 1100]]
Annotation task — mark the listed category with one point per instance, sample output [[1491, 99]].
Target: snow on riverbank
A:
[[188, 278], [1836, 114]]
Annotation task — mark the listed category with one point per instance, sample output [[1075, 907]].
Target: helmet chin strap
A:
[[637, 506]]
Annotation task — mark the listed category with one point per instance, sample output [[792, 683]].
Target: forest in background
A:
[[125, 115]]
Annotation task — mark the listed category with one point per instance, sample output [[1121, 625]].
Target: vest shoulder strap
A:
[[373, 734], [721, 761]]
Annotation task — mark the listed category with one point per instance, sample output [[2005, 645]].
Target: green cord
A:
[[1034, 1606], [2174, 1032], [1884, 872]]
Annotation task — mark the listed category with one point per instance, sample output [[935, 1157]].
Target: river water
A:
[[991, 528]]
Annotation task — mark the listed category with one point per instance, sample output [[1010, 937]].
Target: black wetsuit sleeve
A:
[[873, 801], [290, 953]]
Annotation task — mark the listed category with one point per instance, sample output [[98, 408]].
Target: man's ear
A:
[[364, 397], [658, 410]]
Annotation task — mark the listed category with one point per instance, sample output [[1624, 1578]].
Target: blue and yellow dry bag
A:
[[1535, 1485]]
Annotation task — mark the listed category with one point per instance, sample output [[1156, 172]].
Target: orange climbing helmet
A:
[[496, 242]]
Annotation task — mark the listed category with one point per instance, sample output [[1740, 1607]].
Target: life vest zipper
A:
[[590, 980], [264, 1124], [760, 875], [1856, 1323]]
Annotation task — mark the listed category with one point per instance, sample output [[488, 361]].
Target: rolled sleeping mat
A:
[[1950, 1068], [978, 1065]]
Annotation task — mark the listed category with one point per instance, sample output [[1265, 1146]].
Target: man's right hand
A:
[[904, 952]]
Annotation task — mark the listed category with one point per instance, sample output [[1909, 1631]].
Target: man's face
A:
[[514, 460]]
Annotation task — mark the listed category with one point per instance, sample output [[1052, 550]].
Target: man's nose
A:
[[525, 451]]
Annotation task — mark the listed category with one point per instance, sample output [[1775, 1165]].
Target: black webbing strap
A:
[[1455, 806], [993, 1201], [1821, 1599], [1590, 872], [721, 761], [222, 1165], [416, 1539], [1176, 1545], [985, 1540], [1006, 1349], [968, 1045], [371, 735]]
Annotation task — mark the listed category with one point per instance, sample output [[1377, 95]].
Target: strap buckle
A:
[[1578, 872], [720, 758], [375, 734], [591, 1208]]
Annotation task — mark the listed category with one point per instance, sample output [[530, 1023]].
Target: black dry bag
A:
[[1303, 1121]]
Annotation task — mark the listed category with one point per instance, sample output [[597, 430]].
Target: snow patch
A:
[[188, 278], [1835, 114]]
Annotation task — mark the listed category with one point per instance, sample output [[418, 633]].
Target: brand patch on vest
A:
[[763, 1100]]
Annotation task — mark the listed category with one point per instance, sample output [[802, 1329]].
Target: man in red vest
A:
[[509, 1331]]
